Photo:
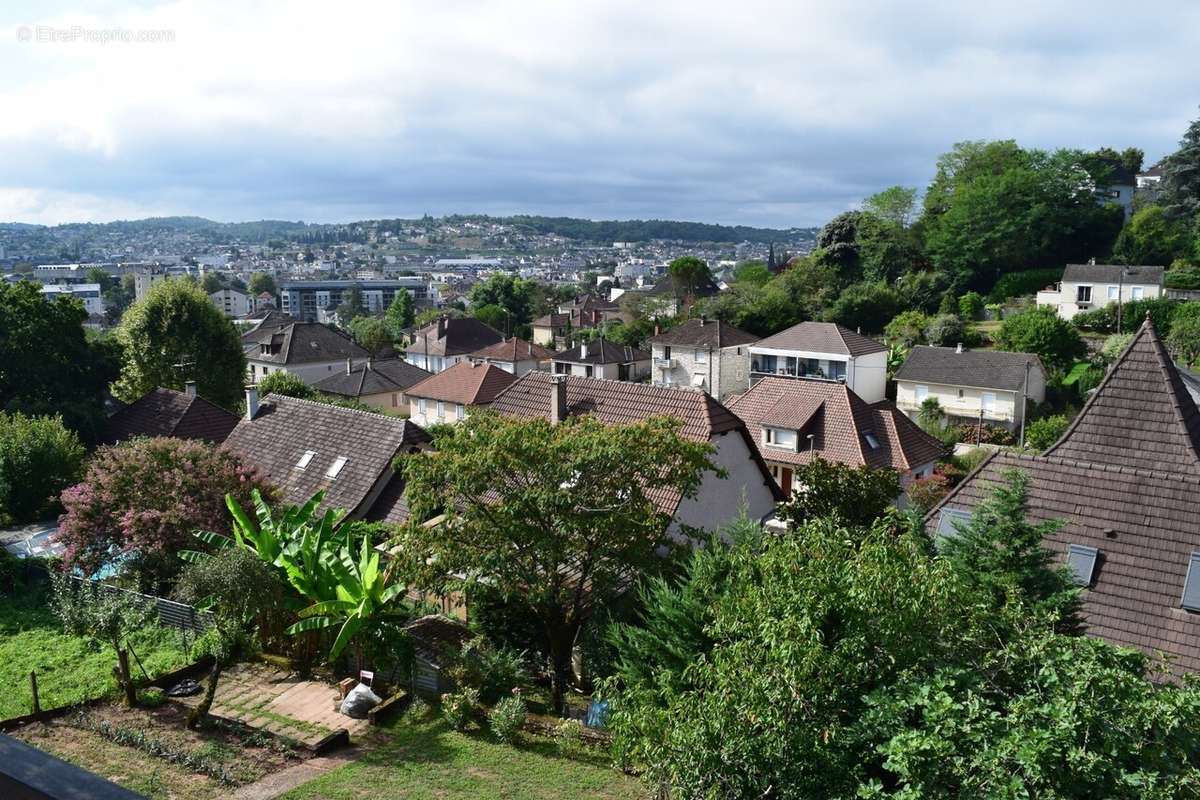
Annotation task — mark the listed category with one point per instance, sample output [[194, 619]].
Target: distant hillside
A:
[[641, 230]]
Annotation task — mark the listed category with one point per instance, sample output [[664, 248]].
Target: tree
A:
[[39, 458], [946, 330], [1041, 331], [689, 273], [142, 500], [352, 306], [1179, 193], [1045, 431], [211, 282], [494, 316], [854, 495], [371, 333], [514, 295], [754, 273], [401, 314], [99, 275], [1184, 338], [174, 334], [286, 384], [1151, 237], [894, 204], [865, 306], [261, 282], [48, 365], [552, 517], [970, 306], [907, 328]]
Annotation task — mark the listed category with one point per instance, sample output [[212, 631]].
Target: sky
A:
[[774, 114]]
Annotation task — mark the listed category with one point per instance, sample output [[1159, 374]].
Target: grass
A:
[[423, 759], [69, 669]]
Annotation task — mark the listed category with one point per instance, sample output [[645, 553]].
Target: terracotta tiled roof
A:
[[981, 369], [285, 428], [387, 375], [1124, 480], [299, 343], [822, 337], [166, 412], [702, 333], [454, 336], [602, 351], [514, 349], [839, 421], [467, 382]]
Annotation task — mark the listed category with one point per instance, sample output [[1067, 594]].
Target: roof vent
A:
[[1081, 561]]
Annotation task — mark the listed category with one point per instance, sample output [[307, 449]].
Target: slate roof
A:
[[704, 333], [1124, 480], [373, 377], [839, 421], [468, 382], [981, 369], [458, 337], [286, 427], [514, 350], [602, 351], [822, 337], [299, 343], [1111, 273], [166, 412]]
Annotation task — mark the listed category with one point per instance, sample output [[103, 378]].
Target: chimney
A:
[[583, 352], [349, 366], [558, 398], [657, 329], [959, 348], [189, 388], [368, 367], [702, 322], [251, 402], [441, 326]]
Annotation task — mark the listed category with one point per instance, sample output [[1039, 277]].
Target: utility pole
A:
[[1025, 402], [1120, 292]]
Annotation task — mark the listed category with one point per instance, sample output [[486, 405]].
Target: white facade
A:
[[425, 411], [720, 373], [719, 501], [233, 303], [630, 371], [865, 375], [432, 363], [87, 293], [143, 279], [310, 372], [998, 406], [1075, 297]]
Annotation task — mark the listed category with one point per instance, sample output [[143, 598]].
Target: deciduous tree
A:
[[39, 457]]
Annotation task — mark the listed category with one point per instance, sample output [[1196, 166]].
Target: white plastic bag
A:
[[359, 701]]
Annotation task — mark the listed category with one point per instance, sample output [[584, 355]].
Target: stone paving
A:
[[265, 697]]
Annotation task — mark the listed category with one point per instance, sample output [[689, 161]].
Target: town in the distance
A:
[[906, 505]]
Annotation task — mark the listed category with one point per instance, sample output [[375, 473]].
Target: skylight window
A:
[[1081, 561], [1191, 584], [950, 522], [304, 459], [872, 442], [335, 467]]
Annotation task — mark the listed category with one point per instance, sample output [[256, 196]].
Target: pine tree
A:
[[400, 314], [1180, 194]]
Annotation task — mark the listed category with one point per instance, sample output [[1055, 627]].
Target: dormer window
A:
[[304, 459], [335, 467], [778, 437]]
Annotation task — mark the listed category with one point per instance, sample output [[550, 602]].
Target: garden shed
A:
[[437, 641]]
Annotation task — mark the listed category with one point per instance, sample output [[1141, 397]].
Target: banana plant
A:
[[363, 592]]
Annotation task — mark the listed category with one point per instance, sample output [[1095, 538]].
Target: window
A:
[[587, 371], [421, 404], [1083, 294], [1081, 561], [667, 352], [1191, 584], [335, 467], [266, 370], [393, 399], [441, 409], [777, 437], [1138, 292], [921, 393], [459, 411], [701, 356], [960, 394], [1114, 293], [950, 523], [989, 403], [304, 459], [872, 442]]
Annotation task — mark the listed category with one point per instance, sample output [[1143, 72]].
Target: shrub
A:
[[1029, 281], [946, 330], [990, 434], [418, 709], [865, 306], [568, 735], [11, 573], [1041, 331], [1104, 320], [1184, 278], [151, 697], [924, 493], [906, 329], [1041, 433], [508, 717], [459, 708], [493, 671], [286, 384], [39, 458], [970, 305]]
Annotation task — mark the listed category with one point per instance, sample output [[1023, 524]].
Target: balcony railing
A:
[[666, 363]]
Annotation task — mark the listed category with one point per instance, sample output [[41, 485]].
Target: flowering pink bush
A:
[[144, 499]]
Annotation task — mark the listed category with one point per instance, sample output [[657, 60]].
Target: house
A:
[[794, 422], [718, 501], [378, 383], [823, 351], [306, 299], [583, 313], [234, 303], [303, 447], [1124, 480], [1151, 178], [600, 358], [971, 385], [1086, 287], [166, 412], [308, 350], [437, 644], [674, 296], [87, 293], [515, 355], [448, 340], [447, 396], [1119, 188], [713, 356]]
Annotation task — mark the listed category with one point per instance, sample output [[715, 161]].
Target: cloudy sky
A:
[[764, 113]]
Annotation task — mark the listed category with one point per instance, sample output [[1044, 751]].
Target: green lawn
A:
[[424, 759], [69, 669]]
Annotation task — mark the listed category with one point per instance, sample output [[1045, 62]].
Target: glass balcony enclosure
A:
[[794, 367]]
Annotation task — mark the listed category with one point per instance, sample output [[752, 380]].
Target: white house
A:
[[88, 293], [308, 350], [450, 395], [233, 303], [1086, 287], [823, 351], [709, 355], [971, 385], [600, 358]]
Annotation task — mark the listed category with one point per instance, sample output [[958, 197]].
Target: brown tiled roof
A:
[[459, 336], [468, 382], [623, 403], [822, 337], [602, 351], [1124, 480], [385, 375], [704, 333], [166, 412], [839, 421], [980, 369], [552, 320], [514, 349], [286, 427], [300, 343]]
